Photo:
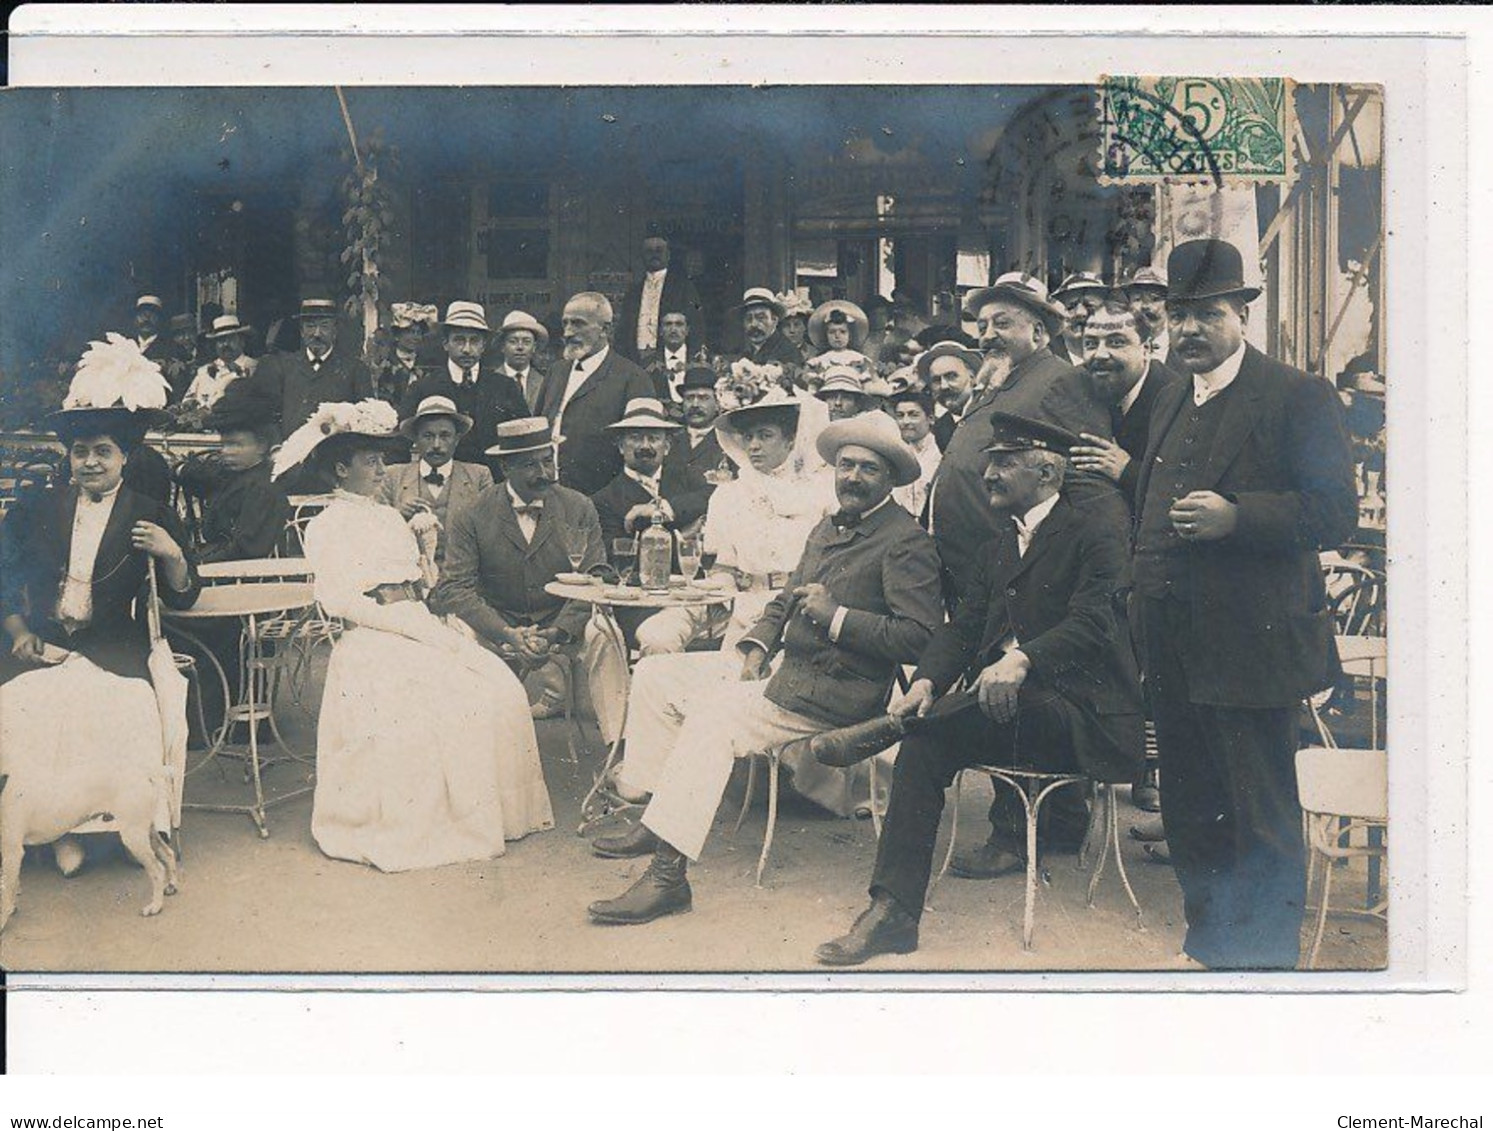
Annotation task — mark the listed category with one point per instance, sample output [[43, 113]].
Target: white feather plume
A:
[[367, 417], [115, 374]]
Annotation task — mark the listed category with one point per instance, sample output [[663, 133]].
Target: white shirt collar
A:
[[1206, 386], [867, 514], [426, 469], [698, 434], [681, 354], [1026, 525], [313, 359], [87, 500], [1130, 398], [651, 483], [516, 374], [456, 372], [589, 365], [517, 502], [657, 276]]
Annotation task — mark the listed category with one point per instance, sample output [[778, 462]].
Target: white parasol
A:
[[171, 700]]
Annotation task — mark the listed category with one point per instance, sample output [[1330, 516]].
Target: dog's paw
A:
[[151, 909], [170, 889]]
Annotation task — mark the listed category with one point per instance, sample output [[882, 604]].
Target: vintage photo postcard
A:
[[587, 528]]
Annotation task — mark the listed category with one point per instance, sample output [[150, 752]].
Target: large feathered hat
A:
[[367, 420], [116, 390]]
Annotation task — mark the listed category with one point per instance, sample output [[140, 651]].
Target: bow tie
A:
[[533, 510], [845, 520], [317, 363], [435, 476]]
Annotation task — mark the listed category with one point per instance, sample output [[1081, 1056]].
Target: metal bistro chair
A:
[[1342, 792]]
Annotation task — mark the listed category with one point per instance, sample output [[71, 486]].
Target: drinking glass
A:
[[625, 551], [575, 548], [689, 555]]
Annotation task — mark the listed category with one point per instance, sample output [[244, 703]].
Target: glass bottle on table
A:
[[655, 553]]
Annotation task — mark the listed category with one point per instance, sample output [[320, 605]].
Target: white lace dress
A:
[[426, 753]]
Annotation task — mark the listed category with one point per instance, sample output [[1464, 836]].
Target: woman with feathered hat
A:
[[426, 753], [73, 586]]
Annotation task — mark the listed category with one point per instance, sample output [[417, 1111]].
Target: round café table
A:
[[605, 600], [248, 601]]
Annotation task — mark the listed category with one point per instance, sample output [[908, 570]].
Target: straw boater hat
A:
[[116, 390], [1019, 287], [840, 379], [877, 431], [520, 320], [436, 406], [1202, 269], [342, 423], [924, 361], [1079, 283], [1147, 278], [839, 311], [526, 434], [226, 326], [152, 301], [316, 308], [1020, 434], [644, 414], [466, 316], [760, 296]]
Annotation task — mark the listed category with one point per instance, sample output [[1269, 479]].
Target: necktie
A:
[[435, 477], [467, 377], [1116, 419], [316, 364]]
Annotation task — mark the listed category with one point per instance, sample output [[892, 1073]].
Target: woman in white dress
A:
[[756, 525], [426, 753]]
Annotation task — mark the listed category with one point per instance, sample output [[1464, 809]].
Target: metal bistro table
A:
[[248, 601], [605, 600]]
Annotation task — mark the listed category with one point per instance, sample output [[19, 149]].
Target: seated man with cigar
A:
[[1052, 681], [863, 599]]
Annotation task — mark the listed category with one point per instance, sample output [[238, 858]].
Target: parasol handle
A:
[[153, 613]]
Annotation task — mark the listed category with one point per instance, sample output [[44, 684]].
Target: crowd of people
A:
[[1100, 506]]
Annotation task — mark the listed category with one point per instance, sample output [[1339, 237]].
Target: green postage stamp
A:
[[1180, 129]]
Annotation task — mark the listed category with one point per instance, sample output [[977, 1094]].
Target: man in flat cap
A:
[[1246, 478], [475, 387], [1052, 683], [862, 601], [1146, 293]]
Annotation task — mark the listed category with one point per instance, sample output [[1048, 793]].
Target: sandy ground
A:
[[279, 905]]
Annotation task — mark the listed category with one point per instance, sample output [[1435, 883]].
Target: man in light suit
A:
[[520, 337], [507, 546], [1248, 475], [662, 290], [477, 389], [862, 600], [433, 481], [1053, 684], [589, 392]]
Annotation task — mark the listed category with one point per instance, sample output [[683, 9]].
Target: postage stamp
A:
[[1174, 128]]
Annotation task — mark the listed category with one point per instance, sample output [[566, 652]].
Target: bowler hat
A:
[[877, 431], [526, 434], [436, 406], [698, 377], [1014, 433], [1201, 269]]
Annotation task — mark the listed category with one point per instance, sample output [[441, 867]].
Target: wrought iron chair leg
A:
[[772, 814]]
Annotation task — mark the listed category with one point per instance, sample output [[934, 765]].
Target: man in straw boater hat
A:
[[843, 393], [1247, 476], [1053, 684], [474, 386], [320, 371], [229, 363], [763, 342], [508, 545], [433, 480], [588, 392], [1016, 322], [862, 600], [74, 586], [520, 337], [149, 313], [1080, 294]]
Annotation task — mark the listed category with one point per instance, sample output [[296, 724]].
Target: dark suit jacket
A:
[[35, 541], [684, 488], [588, 452], [1040, 388], [1059, 602], [464, 482], [885, 572], [244, 516], [943, 429], [493, 579], [776, 349], [704, 457], [679, 296], [1263, 632], [1134, 432], [492, 399], [299, 389]]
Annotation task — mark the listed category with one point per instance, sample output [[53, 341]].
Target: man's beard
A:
[[994, 370], [574, 351]]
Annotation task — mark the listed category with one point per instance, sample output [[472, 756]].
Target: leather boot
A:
[[638, 840], [849, 745], [883, 928], [661, 890]]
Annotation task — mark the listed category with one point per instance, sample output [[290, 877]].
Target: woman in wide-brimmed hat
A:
[[410, 324], [794, 325], [426, 752], [76, 694]]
